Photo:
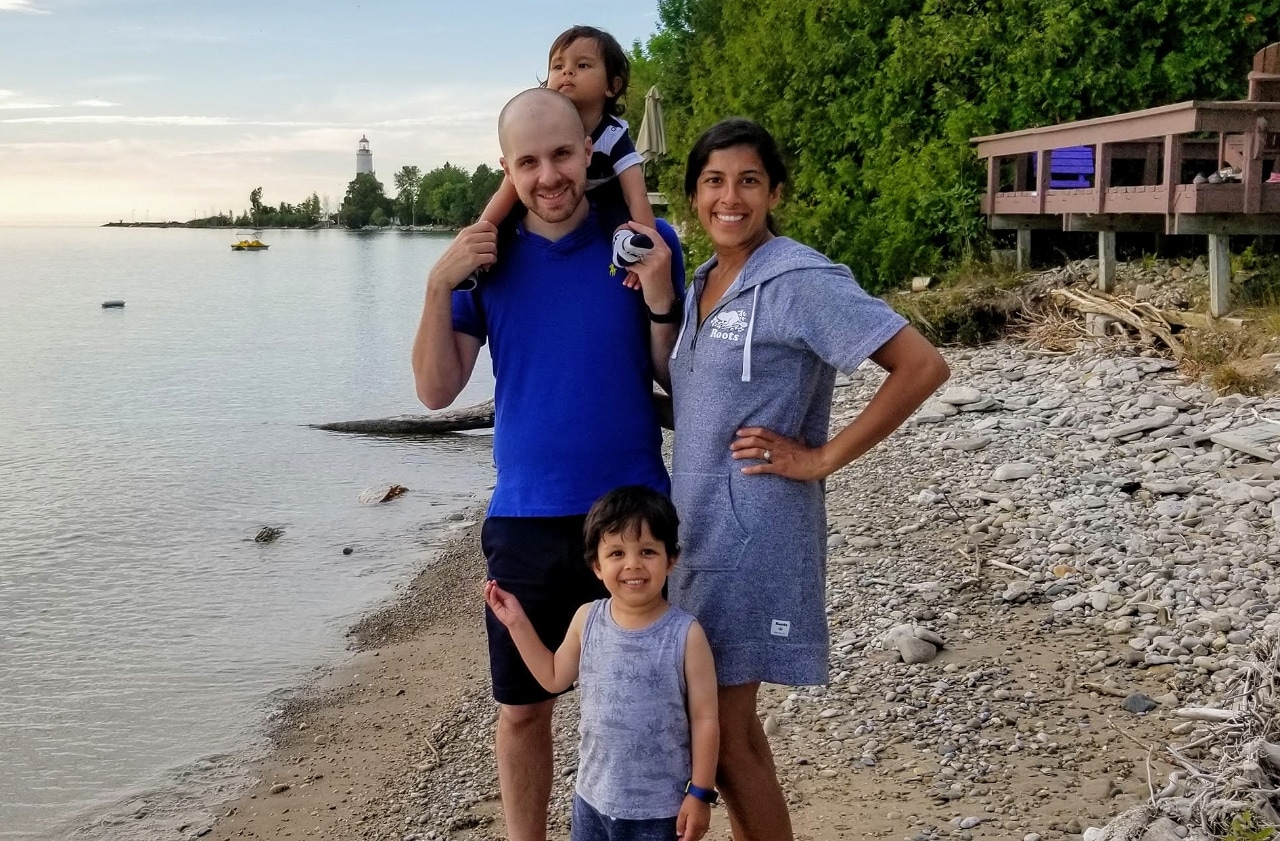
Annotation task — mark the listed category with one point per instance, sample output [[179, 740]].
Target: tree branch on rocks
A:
[[1141, 316]]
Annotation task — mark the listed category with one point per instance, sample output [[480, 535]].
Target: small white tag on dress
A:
[[780, 628]]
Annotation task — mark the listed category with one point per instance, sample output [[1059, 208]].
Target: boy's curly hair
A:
[[616, 63], [624, 511]]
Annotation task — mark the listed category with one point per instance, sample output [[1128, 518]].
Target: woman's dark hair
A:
[[625, 511], [616, 63], [735, 131]]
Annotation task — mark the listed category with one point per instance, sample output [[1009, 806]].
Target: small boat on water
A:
[[249, 242]]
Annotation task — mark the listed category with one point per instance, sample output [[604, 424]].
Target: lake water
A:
[[145, 638]]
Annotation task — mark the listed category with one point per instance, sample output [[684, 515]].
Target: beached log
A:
[[479, 416]]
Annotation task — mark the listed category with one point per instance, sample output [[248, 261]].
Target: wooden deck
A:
[[1146, 165]]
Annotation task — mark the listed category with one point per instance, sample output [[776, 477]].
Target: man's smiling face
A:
[[545, 152]]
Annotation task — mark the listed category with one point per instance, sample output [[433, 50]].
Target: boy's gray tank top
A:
[[634, 758]]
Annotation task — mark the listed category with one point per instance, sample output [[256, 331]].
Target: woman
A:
[[769, 323]]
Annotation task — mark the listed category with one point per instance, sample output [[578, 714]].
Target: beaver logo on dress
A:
[[729, 325]]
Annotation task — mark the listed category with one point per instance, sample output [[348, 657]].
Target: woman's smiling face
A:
[[734, 197]]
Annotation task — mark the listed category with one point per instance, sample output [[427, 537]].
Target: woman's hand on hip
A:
[[770, 452]]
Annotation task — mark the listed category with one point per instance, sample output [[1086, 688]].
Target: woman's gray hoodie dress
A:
[[752, 565]]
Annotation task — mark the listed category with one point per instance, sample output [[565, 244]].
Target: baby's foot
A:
[[630, 248]]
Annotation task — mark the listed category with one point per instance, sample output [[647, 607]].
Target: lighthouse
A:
[[364, 158]]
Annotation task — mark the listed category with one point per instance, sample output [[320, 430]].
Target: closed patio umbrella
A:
[[651, 142]]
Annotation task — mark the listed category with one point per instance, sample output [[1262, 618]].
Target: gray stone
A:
[[1138, 703], [1014, 471], [915, 650], [967, 444], [1134, 426], [960, 395]]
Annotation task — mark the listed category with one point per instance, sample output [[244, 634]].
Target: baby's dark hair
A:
[[616, 63], [624, 511]]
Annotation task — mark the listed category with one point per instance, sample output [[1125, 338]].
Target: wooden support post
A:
[[1106, 261], [1172, 168], [1219, 274], [1102, 175], [1251, 172], [993, 184], [1042, 178], [1024, 249]]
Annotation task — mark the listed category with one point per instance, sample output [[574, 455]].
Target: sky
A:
[[154, 110]]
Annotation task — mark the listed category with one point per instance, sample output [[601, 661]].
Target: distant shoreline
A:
[[429, 229]]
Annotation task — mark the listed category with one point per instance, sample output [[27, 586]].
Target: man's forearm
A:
[[662, 338], [438, 373]]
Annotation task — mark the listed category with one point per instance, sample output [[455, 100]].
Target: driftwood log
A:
[[479, 416]]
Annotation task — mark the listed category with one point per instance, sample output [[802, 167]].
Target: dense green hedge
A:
[[874, 101]]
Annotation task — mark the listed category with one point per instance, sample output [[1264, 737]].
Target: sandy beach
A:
[[1038, 578]]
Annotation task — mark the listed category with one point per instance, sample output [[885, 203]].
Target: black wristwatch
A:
[[671, 316], [706, 795]]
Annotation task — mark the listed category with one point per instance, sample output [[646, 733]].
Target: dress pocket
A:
[[712, 536]]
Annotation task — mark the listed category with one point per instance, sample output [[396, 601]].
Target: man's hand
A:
[[505, 606], [475, 247], [694, 819]]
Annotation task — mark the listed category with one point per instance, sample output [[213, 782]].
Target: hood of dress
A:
[[778, 257]]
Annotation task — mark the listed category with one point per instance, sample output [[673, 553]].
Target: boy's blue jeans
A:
[[590, 825]]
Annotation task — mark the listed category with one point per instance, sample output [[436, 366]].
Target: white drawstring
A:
[[751, 326], [675, 351]]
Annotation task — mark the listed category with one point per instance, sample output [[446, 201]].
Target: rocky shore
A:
[[1065, 535]]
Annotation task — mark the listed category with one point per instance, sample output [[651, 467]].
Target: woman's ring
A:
[[768, 457]]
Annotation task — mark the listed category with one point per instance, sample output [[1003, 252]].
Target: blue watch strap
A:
[[706, 795]]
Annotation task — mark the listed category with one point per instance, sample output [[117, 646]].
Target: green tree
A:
[[364, 196], [408, 183], [310, 210], [255, 202], [873, 103], [485, 181], [440, 194]]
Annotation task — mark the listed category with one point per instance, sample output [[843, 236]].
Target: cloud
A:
[[22, 6], [17, 106], [96, 103], [223, 122]]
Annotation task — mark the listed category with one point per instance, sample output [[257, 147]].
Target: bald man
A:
[[575, 354]]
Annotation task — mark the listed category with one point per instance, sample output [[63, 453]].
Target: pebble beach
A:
[[1024, 584]]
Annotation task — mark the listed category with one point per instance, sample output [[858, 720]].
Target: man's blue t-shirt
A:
[[573, 373]]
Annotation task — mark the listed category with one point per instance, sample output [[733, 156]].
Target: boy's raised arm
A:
[[556, 671], [704, 732], [500, 203], [636, 196]]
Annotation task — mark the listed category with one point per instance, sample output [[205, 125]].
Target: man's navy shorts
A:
[[541, 561]]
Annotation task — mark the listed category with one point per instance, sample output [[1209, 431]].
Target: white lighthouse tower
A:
[[364, 158]]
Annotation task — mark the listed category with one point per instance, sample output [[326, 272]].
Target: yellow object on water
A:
[[249, 243]]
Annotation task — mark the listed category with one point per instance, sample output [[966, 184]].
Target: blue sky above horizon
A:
[[165, 109]]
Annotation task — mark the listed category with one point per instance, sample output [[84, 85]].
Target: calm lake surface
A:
[[145, 638]]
